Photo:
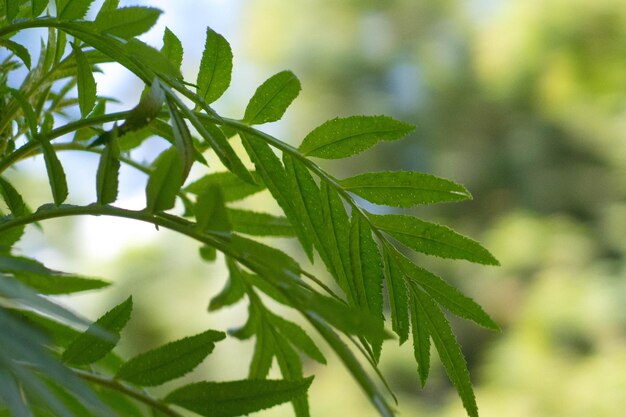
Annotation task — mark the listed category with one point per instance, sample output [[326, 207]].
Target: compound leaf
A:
[[215, 67], [404, 188], [271, 99], [343, 137], [235, 398], [169, 361], [100, 338]]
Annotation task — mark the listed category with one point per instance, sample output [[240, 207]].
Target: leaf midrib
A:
[[353, 136]]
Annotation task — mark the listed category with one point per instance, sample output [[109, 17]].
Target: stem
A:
[[128, 391], [31, 147]]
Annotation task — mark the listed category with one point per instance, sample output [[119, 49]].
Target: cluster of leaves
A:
[[49, 368]]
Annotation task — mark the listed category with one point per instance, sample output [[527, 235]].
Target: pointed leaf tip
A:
[[216, 67]]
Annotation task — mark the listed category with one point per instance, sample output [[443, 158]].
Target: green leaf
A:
[[367, 272], [306, 209], [38, 6], [208, 253], [215, 67], [271, 99], [233, 291], [448, 349], [44, 280], [433, 239], [56, 174], [263, 353], [72, 9], [147, 55], [353, 365], [235, 398], [108, 6], [12, 198], [164, 182], [24, 296], [211, 212], [398, 297], [259, 224], [127, 22], [218, 142], [272, 172], [94, 343], [349, 320], [298, 338], [267, 259], [147, 110], [11, 8], [343, 137], [20, 51], [89, 132], [291, 368], [170, 361], [337, 237], [442, 292], [107, 176], [10, 237], [182, 138], [172, 48], [86, 83], [233, 187], [28, 110], [10, 395], [404, 188], [421, 339]]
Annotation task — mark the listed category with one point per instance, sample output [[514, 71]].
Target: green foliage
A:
[[169, 361], [75, 373], [231, 399], [343, 137]]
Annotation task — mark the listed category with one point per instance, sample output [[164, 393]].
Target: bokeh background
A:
[[522, 101]]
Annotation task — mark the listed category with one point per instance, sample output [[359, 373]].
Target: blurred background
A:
[[522, 101]]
